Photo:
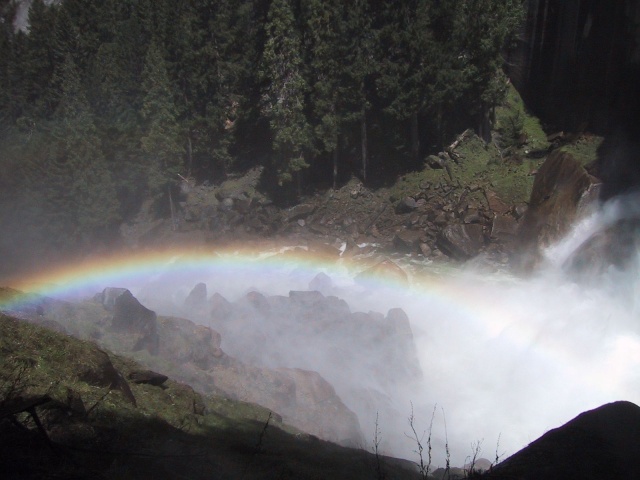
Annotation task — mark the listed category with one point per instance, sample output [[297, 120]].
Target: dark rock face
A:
[[600, 443], [461, 241], [556, 200], [130, 316]]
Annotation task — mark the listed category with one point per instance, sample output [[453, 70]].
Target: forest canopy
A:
[[106, 104]]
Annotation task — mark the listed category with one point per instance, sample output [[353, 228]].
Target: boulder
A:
[[461, 242]]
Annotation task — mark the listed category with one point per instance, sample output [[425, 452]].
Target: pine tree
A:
[[78, 200], [160, 143], [406, 63], [284, 90], [360, 67], [37, 63], [325, 33]]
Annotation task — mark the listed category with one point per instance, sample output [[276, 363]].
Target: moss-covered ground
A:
[[159, 437]]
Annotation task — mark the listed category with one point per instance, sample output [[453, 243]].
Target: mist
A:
[[503, 358]]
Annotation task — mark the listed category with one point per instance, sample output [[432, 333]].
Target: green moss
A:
[[584, 149]]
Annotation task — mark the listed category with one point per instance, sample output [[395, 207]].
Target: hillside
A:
[[69, 409]]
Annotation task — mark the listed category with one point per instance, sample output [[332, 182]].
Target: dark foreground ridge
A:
[[598, 444]]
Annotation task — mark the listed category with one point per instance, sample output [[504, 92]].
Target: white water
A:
[[504, 359]]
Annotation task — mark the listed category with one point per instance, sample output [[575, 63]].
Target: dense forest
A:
[[106, 104]]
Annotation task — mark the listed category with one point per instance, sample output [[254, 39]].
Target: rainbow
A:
[[232, 270], [492, 323]]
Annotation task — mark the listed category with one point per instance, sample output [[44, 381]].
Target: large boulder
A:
[[560, 190], [461, 241]]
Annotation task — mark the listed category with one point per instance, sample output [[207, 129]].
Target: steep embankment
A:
[[69, 409]]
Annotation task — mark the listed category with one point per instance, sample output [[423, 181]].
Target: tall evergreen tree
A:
[[360, 57], [284, 90], [77, 196], [406, 63], [160, 143], [325, 31], [37, 63]]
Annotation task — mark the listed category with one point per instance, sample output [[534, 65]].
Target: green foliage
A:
[[201, 88], [284, 90], [160, 141]]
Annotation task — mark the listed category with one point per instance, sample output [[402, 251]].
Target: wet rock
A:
[[558, 190], [461, 242]]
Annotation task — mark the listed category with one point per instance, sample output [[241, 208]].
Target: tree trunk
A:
[[415, 139], [189, 156], [335, 167], [363, 139]]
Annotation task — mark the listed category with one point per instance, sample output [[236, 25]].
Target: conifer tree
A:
[[160, 143], [284, 90], [325, 33], [37, 63], [360, 56], [77, 196]]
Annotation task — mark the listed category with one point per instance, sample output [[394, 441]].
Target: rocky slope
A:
[[69, 409]]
